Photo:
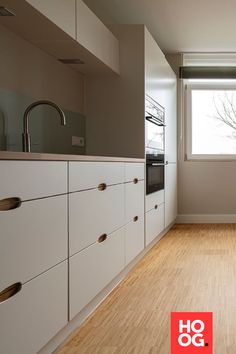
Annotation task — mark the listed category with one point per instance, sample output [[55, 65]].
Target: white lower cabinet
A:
[[93, 268], [134, 199], [93, 213], [170, 193], [155, 223], [29, 319], [134, 238], [33, 239]]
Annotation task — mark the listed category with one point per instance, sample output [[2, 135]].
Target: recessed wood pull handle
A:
[[9, 204], [102, 238], [135, 218], [102, 186], [10, 291], [135, 180], [156, 206]]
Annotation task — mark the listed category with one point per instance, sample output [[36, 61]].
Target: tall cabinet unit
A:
[[116, 113], [164, 92]]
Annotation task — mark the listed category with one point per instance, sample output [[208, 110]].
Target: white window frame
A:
[[188, 120]]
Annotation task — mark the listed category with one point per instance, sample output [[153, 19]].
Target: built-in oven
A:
[[154, 126], [155, 172]]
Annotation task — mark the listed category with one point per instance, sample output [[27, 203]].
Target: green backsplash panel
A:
[[47, 134]]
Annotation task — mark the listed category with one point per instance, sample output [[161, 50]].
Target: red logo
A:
[[191, 333]]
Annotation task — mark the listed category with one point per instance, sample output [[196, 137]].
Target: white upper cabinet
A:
[[93, 35], [65, 29], [170, 193], [60, 12]]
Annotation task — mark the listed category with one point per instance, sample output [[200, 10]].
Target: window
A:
[[211, 120]]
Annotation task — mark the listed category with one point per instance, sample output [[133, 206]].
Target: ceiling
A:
[[177, 25]]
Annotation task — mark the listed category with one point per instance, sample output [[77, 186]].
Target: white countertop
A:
[[13, 155]]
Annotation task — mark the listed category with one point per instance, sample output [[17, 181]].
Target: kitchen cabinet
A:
[[155, 223], [134, 171], [93, 213], [88, 175], [60, 12], [93, 35], [66, 29], [134, 200], [154, 199], [33, 239], [170, 193], [30, 318], [134, 238], [93, 268], [32, 179]]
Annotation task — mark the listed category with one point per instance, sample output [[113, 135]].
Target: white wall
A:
[[28, 70], [204, 188]]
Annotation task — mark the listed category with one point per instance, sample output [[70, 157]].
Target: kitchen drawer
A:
[[32, 179], [155, 223], [29, 319], [154, 199], [93, 213], [87, 175], [134, 200], [33, 238], [134, 238], [133, 171], [93, 268]]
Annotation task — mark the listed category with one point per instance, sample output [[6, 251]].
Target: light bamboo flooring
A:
[[193, 268]]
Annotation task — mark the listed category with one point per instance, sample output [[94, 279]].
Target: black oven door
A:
[[155, 177]]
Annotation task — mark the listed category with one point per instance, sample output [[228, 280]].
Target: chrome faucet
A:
[[26, 134]]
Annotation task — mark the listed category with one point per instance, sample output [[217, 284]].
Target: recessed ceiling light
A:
[[71, 61], [5, 12]]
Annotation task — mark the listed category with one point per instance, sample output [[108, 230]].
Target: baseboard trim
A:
[[61, 337], [206, 219]]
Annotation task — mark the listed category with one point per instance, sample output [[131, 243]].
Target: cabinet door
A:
[[93, 268], [61, 12], [170, 193], [88, 175], [154, 199], [155, 223], [33, 238], [93, 35], [29, 319], [93, 213], [32, 179], [134, 171], [171, 123], [134, 238], [134, 200]]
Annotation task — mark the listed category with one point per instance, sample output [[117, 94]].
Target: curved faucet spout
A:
[[26, 134]]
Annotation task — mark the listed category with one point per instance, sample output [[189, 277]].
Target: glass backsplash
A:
[[47, 134]]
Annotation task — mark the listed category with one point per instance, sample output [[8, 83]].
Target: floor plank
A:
[[193, 268]]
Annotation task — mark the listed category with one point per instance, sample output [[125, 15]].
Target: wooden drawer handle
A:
[[102, 238], [135, 180], [9, 204], [102, 186], [135, 218], [156, 206], [10, 291]]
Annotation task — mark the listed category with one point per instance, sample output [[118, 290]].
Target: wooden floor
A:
[[193, 268]]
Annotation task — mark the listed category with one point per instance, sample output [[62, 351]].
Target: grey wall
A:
[[204, 188], [115, 104]]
